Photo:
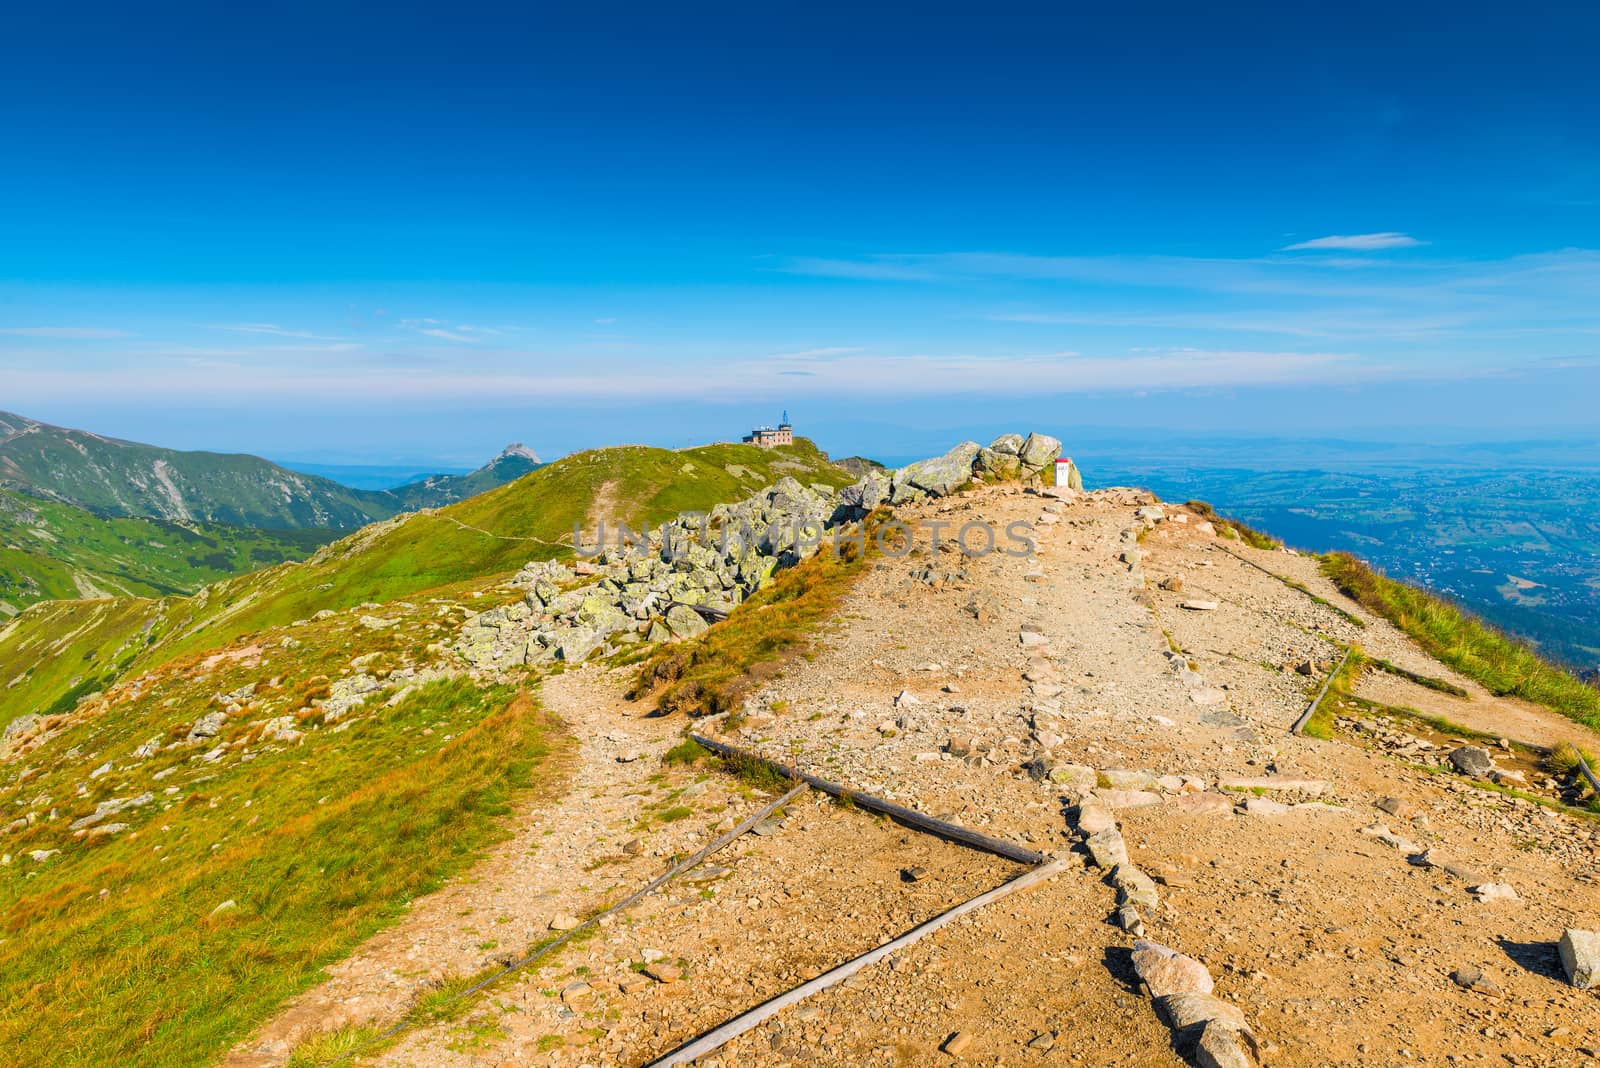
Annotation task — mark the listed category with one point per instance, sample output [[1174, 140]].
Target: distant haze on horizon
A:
[[327, 237]]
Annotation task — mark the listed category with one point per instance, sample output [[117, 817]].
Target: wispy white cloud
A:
[[271, 329], [66, 333], [804, 354], [1388, 306], [877, 268], [1357, 242], [444, 331], [1350, 323], [571, 380], [337, 346]]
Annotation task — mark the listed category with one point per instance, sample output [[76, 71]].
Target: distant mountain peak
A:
[[517, 448]]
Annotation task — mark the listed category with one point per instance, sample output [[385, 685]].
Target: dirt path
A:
[[941, 682], [562, 858], [1338, 950], [1506, 717]]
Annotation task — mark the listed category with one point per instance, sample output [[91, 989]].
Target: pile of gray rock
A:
[[1008, 458], [672, 582]]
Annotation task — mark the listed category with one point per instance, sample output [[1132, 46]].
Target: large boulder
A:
[[993, 464], [865, 494], [348, 693], [685, 622], [577, 643], [1039, 451], [1007, 444], [942, 475]]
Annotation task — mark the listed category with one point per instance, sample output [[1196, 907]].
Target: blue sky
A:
[[333, 232]]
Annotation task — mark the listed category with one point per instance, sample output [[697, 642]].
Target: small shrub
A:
[[686, 752]]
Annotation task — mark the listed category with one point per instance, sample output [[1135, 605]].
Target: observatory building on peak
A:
[[769, 436]]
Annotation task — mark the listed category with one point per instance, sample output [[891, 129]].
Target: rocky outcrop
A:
[[1006, 458], [674, 581]]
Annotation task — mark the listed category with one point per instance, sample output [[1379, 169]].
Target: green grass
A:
[[1499, 663], [1340, 687], [687, 752], [1563, 759], [757, 773], [319, 845], [60, 650], [327, 1046]]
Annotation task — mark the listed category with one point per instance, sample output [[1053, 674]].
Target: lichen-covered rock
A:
[[941, 475], [576, 644], [684, 622], [863, 495], [207, 726], [1039, 451], [995, 465], [1007, 444], [346, 694]]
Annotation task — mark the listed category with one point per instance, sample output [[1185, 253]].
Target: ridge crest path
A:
[[937, 684]]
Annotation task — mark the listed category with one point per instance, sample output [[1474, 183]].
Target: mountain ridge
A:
[[115, 477], [78, 646], [296, 758]]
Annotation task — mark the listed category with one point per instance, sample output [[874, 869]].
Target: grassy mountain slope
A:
[[58, 650], [243, 862], [196, 881], [125, 478], [111, 477], [1502, 664], [50, 550], [492, 533]]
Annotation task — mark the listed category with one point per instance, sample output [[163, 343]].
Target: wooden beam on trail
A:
[[942, 829], [720, 1036], [1583, 766], [1311, 709], [660, 880]]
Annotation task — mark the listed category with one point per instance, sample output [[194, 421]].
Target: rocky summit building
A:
[[767, 436]]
